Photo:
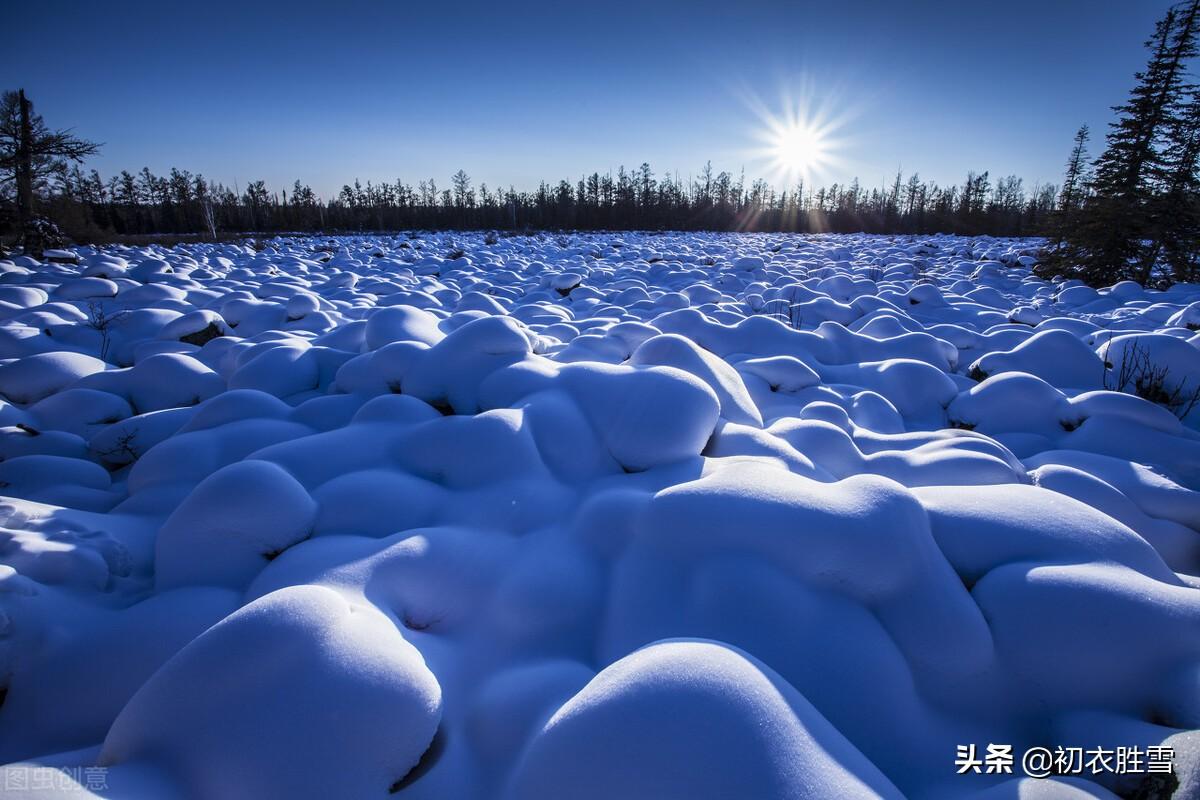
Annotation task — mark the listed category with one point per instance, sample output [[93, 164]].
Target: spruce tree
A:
[[1177, 209], [1075, 181], [1064, 253], [1172, 174], [1121, 231]]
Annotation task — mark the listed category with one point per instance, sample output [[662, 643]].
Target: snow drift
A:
[[656, 516]]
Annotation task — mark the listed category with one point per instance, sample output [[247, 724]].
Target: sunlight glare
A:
[[798, 147], [801, 137]]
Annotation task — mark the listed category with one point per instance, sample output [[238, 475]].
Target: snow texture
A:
[[593, 516]]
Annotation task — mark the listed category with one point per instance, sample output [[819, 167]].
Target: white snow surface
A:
[[592, 516]]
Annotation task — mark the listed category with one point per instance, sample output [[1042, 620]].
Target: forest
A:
[[87, 205]]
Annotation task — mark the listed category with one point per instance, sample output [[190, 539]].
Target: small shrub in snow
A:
[[103, 321], [1138, 373], [790, 314]]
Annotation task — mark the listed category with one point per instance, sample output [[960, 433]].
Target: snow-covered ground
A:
[[610, 516]]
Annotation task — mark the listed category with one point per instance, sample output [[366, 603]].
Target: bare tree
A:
[[102, 321], [210, 218], [123, 451]]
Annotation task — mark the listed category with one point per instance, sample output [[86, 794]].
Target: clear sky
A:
[[518, 92]]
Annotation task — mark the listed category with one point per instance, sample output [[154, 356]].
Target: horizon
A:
[[627, 487], [397, 112]]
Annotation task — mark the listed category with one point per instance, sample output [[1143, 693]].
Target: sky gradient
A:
[[519, 92]]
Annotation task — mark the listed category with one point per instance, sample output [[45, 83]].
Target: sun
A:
[[802, 137], [798, 147]]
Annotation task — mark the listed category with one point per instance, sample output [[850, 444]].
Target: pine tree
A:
[[29, 154], [1119, 234], [1076, 183], [1173, 173], [1178, 207], [1077, 178]]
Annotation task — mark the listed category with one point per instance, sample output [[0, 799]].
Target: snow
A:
[[301, 656], [37, 376], [692, 719], [230, 525], [609, 515]]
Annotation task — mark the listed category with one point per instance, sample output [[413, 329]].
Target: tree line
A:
[[1133, 213], [41, 178], [180, 202]]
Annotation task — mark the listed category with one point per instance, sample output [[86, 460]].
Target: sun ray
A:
[[799, 138]]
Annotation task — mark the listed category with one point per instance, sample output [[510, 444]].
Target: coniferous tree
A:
[[1178, 206], [1075, 186], [1078, 175], [183, 203], [30, 153], [1121, 230]]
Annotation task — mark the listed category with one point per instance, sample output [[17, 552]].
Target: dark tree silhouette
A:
[[1177, 208], [30, 153], [1075, 183], [92, 209], [1145, 177]]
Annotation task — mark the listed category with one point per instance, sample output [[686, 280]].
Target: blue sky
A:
[[517, 92]]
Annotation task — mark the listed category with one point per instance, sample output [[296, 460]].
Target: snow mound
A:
[[598, 515], [231, 525], [246, 692], [40, 375], [692, 719]]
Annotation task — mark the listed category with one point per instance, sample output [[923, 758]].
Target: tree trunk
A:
[[25, 176], [1149, 259]]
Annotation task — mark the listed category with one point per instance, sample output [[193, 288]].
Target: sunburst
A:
[[800, 139]]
